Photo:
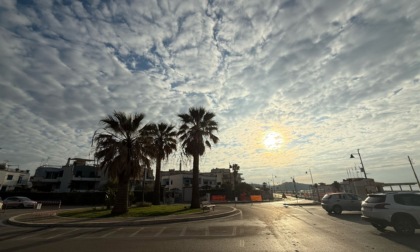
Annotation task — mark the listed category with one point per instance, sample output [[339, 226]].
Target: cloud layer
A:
[[330, 77]]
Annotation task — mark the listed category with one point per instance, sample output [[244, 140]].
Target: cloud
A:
[[331, 77]]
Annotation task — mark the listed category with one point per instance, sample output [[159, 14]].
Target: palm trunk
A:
[[121, 199], [156, 198], [195, 197]]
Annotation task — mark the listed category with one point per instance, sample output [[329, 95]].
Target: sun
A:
[[273, 140]]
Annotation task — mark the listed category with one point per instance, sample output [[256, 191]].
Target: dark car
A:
[[19, 202], [338, 202]]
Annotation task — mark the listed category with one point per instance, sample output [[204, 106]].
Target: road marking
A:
[[51, 237], [135, 233], [242, 243], [37, 233], [183, 231], [110, 233], [160, 232]]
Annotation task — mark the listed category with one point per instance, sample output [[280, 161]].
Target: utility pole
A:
[[361, 161], [415, 175]]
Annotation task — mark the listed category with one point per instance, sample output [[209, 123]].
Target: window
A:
[[9, 177], [353, 197], [407, 199], [376, 199]]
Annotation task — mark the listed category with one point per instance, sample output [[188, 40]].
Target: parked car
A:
[[401, 210], [338, 202], [19, 202]]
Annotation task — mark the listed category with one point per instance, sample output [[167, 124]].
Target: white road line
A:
[[110, 233], [37, 233], [242, 243], [135, 233], [160, 232], [183, 231], [51, 237], [234, 231]]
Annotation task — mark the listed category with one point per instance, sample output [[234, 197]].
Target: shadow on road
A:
[[350, 216], [411, 242]]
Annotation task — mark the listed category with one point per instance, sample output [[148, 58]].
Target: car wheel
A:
[[403, 225], [380, 227], [337, 209], [20, 206]]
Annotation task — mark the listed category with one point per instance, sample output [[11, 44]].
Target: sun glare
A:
[[273, 140]]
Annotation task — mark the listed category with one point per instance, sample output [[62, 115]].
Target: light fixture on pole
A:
[[314, 185], [360, 156]]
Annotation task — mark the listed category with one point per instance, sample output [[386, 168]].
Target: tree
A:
[[121, 150], [195, 133], [336, 186], [164, 142], [245, 188], [235, 168]]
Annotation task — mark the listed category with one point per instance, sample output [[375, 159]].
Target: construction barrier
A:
[[256, 198], [218, 198]]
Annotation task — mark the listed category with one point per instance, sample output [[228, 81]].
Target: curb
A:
[[13, 221]]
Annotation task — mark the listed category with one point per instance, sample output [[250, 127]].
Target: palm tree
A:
[[163, 144], [195, 134], [121, 151]]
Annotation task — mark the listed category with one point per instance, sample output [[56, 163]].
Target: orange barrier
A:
[[256, 198], [218, 198]]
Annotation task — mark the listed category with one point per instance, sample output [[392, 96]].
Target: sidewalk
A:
[[50, 219]]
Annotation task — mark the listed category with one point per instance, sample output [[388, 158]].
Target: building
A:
[[173, 179], [77, 175], [81, 175], [360, 186], [13, 178], [178, 184]]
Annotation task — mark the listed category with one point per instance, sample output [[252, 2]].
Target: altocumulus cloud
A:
[[329, 76]]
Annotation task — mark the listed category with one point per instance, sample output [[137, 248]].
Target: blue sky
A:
[[321, 78]]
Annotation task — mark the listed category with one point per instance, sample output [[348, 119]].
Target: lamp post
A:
[[360, 156], [313, 186], [294, 186], [274, 186]]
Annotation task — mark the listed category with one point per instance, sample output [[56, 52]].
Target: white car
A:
[[19, 202], [400, 210]]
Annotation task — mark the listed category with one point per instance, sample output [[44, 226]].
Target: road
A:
[[259, 227]]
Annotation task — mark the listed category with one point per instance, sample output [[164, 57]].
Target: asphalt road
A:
[[259, 227]]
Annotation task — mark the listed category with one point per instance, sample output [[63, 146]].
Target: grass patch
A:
[[161, 210]]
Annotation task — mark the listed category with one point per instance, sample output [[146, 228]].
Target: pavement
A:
[[49, 218]]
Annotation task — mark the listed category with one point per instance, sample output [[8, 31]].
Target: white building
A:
[[80, 175], [13, 178], [173, 179]]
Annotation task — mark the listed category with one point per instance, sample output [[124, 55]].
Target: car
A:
[[401, 210], [338, 202], [19, 202]]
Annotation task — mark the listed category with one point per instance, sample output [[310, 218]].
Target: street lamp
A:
[[360, 156], [313, 186]]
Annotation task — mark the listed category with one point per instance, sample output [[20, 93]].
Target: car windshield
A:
[[376, 199]]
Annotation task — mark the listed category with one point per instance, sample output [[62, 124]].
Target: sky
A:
[[296, 86]]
